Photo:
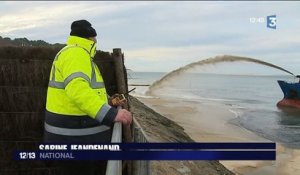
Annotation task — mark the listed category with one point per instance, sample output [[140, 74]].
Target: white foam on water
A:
[[291, 126], [237, 106], [187, 95], [235, 112], [140, 91]]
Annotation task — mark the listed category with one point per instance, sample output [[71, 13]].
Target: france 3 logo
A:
[[271, 21]]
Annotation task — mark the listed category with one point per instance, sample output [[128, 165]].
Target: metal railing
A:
[[140, 167], [114, 167]]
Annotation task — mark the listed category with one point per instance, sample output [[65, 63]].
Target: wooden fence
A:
[[24, 75]]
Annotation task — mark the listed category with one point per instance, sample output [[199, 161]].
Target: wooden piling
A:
[[121, 83], [122, 89]]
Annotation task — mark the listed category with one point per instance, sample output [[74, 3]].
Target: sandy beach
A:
[[159, 128], [209, 122]]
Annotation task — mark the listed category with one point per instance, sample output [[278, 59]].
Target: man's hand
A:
[[124, 117]]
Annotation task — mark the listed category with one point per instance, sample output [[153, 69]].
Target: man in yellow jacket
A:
[[77, 108]]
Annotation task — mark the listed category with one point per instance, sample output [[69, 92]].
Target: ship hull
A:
[[291, 92]]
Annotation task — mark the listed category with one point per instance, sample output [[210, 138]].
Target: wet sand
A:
[[212, 123], [161, 129]]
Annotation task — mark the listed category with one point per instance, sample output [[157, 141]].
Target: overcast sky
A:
[[162, 36]]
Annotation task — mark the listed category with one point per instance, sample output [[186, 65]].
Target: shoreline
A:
[[213, 124], [159, 128]]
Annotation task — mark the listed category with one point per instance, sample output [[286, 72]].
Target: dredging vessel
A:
[[291, 92]]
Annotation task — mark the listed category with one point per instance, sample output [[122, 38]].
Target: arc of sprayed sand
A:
[[217, 59]]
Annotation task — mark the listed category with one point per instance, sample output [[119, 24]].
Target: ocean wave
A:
[[217, 99], [235, 106], [143, 96], [140, 92], [236, 112], [188, 95]]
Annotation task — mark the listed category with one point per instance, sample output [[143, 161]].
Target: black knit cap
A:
[[83, 29]]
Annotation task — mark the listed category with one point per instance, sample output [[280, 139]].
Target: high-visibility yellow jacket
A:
[[76, 87]]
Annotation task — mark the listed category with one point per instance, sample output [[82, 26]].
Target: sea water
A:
[[252, 98]]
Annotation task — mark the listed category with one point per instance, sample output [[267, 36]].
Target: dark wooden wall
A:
[[24, 75]]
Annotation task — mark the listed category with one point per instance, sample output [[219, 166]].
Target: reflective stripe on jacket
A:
[[76, 87]]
